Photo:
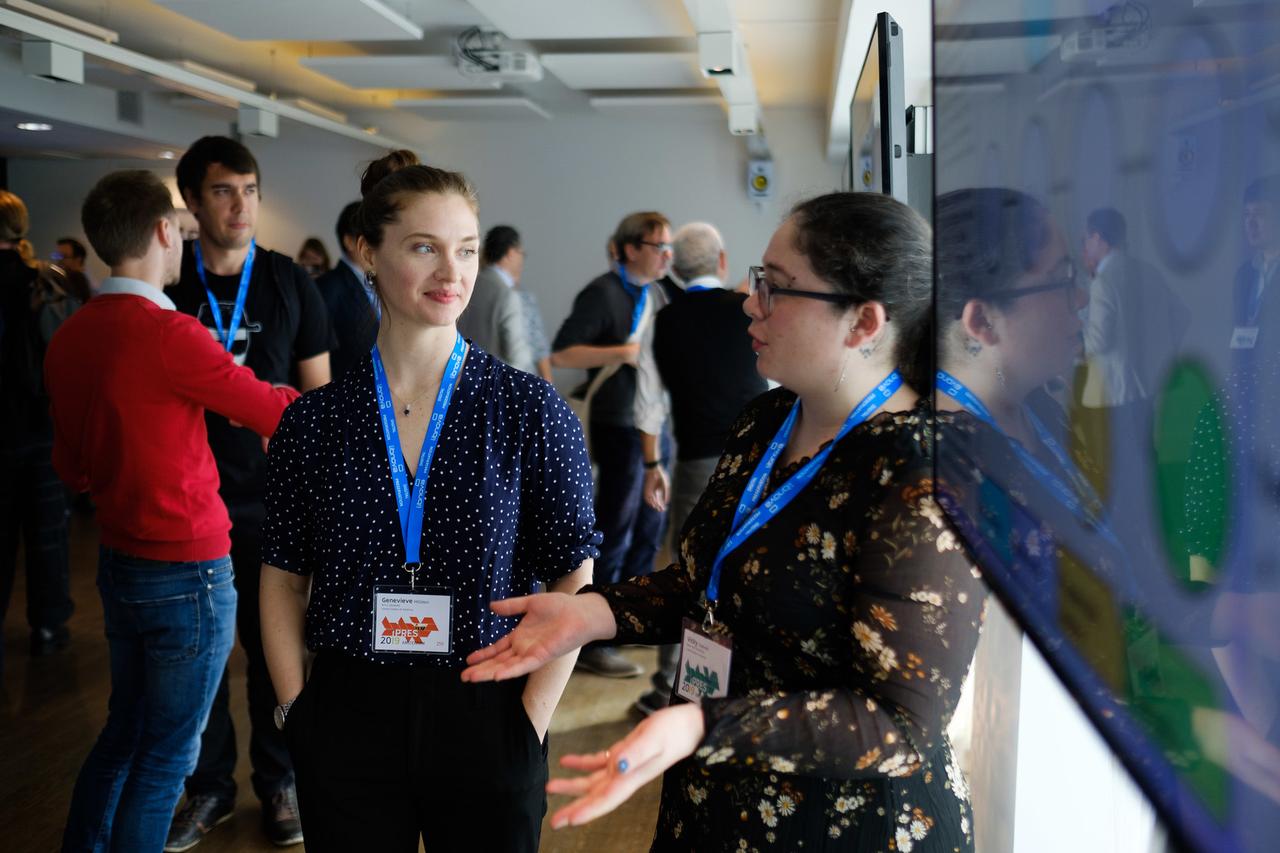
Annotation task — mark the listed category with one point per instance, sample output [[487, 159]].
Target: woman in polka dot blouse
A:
[[402, 499]]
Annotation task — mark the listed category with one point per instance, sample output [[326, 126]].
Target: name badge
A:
[[1244, 337], [704, 664], [409, 622]]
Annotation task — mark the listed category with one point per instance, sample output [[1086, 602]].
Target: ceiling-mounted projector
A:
[[501, 66]]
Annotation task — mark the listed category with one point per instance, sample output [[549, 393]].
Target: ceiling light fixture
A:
[[34, 125]]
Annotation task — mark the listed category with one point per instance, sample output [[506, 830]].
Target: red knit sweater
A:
[[128, 384]]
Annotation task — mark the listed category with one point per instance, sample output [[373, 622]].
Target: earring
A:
[[370, 278], [844, 366], [1000, 376], [972, 347]]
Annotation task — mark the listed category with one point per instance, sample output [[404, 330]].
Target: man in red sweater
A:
[[129, 380]]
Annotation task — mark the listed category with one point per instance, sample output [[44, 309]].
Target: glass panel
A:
[[1111, 453]]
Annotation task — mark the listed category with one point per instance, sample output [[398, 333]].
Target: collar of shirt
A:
[[504, 275], [1104, 263], [134, 287], [355, 270], [704, 281], [364, 284]]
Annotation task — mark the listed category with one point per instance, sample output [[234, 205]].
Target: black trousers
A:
[[268, 754], [385, 753], [33, 510]]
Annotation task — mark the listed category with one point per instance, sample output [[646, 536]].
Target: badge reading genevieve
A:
[[413, 623]]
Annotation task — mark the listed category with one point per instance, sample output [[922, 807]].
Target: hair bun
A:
[[381, 168]]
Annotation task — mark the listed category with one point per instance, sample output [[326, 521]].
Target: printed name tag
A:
[[412, 622], [1244, 337], [704, 664]]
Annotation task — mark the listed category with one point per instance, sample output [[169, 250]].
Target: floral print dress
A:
[[854, 615]]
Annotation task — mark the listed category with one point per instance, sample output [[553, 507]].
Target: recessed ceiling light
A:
[[34, 125], [167, 155]]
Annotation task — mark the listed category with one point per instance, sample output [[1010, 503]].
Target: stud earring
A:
[[1000, 376], [972, 347]]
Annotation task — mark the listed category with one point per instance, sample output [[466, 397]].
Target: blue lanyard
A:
[[698, 288], [956, 390], [754, 510], [638, 292], [228, 336], [1255, 302], [411, 511]]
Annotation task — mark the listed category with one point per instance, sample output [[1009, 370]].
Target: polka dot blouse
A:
[[508, 502]]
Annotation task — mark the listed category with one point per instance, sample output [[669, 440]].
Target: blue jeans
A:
[[170, 627]]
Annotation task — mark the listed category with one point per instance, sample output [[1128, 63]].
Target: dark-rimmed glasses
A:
[[1065, 280], [764, 291], [661, 247]]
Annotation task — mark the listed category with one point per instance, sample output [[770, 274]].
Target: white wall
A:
[[565, 184]]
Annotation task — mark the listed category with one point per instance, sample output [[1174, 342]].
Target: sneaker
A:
[[280, 820], [654, 700], [196, 819], [46, 641], [609, 662]]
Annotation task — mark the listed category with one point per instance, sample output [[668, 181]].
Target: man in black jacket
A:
[[704, 360], [353, 308], [602, 332], [32, 500]]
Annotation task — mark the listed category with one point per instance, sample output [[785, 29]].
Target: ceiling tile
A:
[[627, 70], [791, 63], [597, 19], [300, 20]]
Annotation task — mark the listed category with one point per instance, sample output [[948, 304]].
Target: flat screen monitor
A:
[[877, 116]]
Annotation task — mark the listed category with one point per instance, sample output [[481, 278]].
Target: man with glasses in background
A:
[[602, 335], [705, 373]]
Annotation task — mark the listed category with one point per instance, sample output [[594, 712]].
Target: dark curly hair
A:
[[875, 249]]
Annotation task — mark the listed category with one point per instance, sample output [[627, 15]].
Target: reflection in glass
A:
[[1111, 452]]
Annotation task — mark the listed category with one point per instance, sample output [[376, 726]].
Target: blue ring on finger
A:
[[623, 765]]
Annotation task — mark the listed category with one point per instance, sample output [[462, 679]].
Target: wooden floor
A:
[[52, 708]]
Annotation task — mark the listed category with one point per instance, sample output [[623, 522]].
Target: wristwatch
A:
[[649, 466], [282, 713]]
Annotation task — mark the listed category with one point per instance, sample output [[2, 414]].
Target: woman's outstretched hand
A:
[[612, 776], [552, 624]]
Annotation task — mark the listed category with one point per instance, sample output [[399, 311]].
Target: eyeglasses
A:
[[1065, 280], [661, 247], [764, 291]]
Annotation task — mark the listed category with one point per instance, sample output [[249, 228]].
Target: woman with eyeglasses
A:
[[1009, 309], [826, 613]]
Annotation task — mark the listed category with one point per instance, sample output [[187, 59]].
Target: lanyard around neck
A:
[[639, 292], [412, 506], [227, 337], [754, 510], [958, 391]]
